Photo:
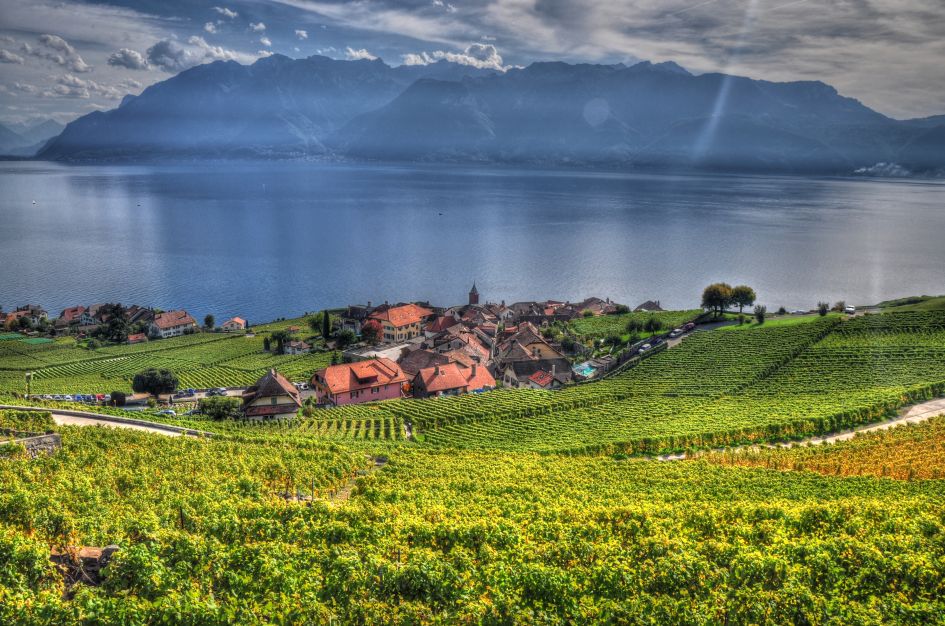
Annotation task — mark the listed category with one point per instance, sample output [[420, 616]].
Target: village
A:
[[383, 352]]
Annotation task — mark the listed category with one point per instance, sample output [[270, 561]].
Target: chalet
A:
[[138, 314], [363, 381], [137, 338], [272, 397], [649, 306], [401, 322], [296, 347], [451, 379], [172, 324], [234, 324]]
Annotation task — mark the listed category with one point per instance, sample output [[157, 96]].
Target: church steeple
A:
[[474, 295]]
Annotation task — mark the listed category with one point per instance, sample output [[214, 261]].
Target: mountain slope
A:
[[645, 115]]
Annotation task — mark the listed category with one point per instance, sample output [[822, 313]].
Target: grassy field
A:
[[200, 360], [774, 322], [603, 326], [916, 303]]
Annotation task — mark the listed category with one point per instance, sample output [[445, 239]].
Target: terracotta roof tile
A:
[[348, 377], [403, 315], [170, 319]]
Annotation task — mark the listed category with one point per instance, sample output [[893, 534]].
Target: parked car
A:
[[167, 412], [645, 347], [850, 310], [675, 333], [689, 326]]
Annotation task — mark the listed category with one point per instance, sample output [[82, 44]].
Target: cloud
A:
[[262, 54], [301, 34], [225, 12], [257, 27], [356, 55], [444, 5], [210, 27], [484, 56], [128, 58], [265, 41], [71, 86], [172, 56], [9, 57], [56, 49]]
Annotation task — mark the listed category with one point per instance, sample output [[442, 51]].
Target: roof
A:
[[298, 344], [417, 360], [72, 313], [170, 319], [402, 315], [649, 305], [272, 384], [474, 290], [525, 369], [137, 337], [361, 375], [541, 378], [441, 323], [235, 320], [455, 376]]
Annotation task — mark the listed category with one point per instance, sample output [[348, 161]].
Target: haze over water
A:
[[266, 240]]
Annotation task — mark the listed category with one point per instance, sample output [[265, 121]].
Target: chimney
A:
[[553, 367], [503, 303], [474, 370]]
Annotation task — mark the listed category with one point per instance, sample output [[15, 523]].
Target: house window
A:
[[375, 389], [273, 400]]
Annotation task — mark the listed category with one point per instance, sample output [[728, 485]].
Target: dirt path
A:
[[910, 415], [72, 420]]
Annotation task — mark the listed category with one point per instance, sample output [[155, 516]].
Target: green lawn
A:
[[915, 303], [603, 326], [774, 322]]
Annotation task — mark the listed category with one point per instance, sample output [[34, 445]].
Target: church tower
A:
[[473, 295]]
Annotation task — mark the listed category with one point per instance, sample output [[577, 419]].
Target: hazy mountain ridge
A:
[[645, 115]]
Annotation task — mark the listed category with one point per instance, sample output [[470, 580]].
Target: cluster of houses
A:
[[81, 320], [425, 351]]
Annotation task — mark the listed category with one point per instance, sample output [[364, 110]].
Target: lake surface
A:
[[270, 240]]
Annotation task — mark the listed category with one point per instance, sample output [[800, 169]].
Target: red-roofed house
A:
[[72, 314], [273, 396], [172, 324], [541, 380], [401, 323], [363, 381], [234, 323], [452, 379], [137, 338]]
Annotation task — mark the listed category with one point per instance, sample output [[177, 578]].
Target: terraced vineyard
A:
[[200, 360], [910, 452], [720, 389]]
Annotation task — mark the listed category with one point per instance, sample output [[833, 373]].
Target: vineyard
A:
[[912, 452], [206, 536], [200, 360]]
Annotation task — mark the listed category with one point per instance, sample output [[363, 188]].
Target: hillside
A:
[[642, 116]]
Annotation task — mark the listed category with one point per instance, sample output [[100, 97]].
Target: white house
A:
[[171, 324]]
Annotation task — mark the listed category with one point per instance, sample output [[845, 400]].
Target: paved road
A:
[[73, 420], [912, 415]]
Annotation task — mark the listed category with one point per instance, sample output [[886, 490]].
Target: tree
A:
[[219, 407], [117, 398], [621, 309], [634, 326], [326, 325], [840, 305], [280, 337], [652, 324], [116, 328], [716, 297], [760, 312], [267, 345], [823, 308], [371, 331], [743, 296], [24, 323], [315, 323], [209, 322], [155, 381], [345, 338]]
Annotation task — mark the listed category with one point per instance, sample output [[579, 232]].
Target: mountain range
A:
[[26, 139], [550, 113]]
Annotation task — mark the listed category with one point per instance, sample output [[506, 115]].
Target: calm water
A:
[[267, 240]]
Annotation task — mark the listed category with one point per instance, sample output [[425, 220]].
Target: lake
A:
[[265, 240]]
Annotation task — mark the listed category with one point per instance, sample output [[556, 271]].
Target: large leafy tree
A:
[[220, 407], [743, 295], [116, 327], [280, 337], [371, 331], [716, 297], [155, 381]]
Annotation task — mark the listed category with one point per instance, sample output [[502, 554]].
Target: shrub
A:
[[760, 312], [219, 407]]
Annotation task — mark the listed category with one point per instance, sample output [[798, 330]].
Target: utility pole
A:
[[29, 380]]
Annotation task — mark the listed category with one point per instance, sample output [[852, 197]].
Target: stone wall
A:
[[35, 445]]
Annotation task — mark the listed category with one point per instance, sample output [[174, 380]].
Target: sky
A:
[[65, 58]]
